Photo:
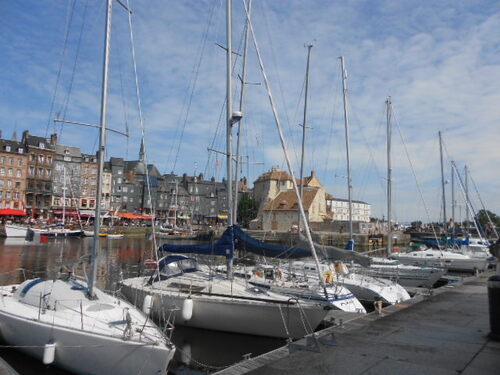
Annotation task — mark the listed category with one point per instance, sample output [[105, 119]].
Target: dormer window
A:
[[66, 152], [41, 145], [7, 148], [20, 150]]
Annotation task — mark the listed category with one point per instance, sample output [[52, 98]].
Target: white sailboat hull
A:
[[423, 277], [103, 335], [436, 258], [15, 230], [231, 314], [82, 352]]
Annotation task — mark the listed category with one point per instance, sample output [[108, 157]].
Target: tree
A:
[[484, 222], [247, 209]]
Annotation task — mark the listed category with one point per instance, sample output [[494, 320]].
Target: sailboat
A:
[[72, 324], [221, 302], [445, 258], [363, 286], [405, 275]]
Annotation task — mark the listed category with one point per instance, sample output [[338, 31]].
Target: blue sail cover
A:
[[234, 238], [245, 242]]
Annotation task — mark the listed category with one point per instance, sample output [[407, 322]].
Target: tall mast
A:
[[389, 177], [346, 123], [453, 198], [467, 212], [442, 181], [64, 196], [304, 126], [229, 125], [102, 141], [239, 136]]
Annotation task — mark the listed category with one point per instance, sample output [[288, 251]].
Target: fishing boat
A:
[[72, 324]]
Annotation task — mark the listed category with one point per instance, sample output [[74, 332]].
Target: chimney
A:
[[201, 177], [313, 174], [26, 134], [0, 134], [53, 139]]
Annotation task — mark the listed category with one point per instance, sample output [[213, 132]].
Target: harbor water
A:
[[198, 351]]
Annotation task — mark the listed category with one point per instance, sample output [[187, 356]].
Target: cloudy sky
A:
[[439, 61]]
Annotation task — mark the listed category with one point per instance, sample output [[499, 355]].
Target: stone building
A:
[[40, 152], [88, 182], [282, 213], [66, 180], [13, 174]]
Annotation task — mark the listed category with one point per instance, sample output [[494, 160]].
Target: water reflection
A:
[[199, 351]]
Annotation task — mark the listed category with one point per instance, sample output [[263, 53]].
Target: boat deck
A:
[[5, 368], [442, 333]]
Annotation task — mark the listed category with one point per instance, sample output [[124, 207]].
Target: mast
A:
[[467, 212], [64, 196], [389, 177], [453, 198], [102, 141], [346, 123], [229, 128], [304, 126], [239, 136], [442, 181]]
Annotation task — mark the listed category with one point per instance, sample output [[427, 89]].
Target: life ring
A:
[[328, 276]]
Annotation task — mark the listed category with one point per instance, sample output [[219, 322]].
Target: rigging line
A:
[[122, 93], [396, 121], [63, 54], [141, 121], [222, 111], [68, 95], [291, 133], [493, 226], [192, 86]]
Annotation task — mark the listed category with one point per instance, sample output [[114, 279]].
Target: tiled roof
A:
[[287, 201], [274, 175]]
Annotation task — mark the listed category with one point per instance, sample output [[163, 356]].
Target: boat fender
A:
[[186, 353], [328, 276], [187, 309], [49, 353], [147, 304], [279, 274]]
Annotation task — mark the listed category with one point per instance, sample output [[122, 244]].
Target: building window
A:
[[2, 171], [32, 157], [9, 183], [49, 159], [20, 150], [11, 161], [32, 171], [1, 195], [120, 171], [7, 148], [8, 195], [125, 189], [40, 171], [18, 184], [49, 172], [41, 159], [16, 195], [119, 181], [67, 158], [19, 162], [2, 183], [10, 172], [19, 173], [2, 159], [41, 145]]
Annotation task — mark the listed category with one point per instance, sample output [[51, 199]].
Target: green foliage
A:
[[247, 210], [482, 218]]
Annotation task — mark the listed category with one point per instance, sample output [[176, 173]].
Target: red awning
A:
[[11, 211], [130, 215]]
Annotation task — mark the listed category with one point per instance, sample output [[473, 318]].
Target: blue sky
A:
[[439, 61]]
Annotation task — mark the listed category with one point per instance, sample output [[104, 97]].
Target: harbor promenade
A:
[[443, 333]]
